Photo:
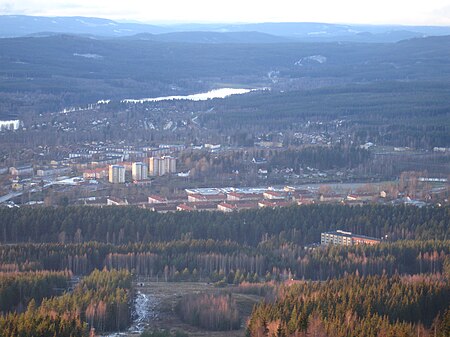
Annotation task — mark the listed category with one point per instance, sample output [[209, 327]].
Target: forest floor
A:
[[156, 301]]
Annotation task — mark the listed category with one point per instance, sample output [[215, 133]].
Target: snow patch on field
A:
[[311, 59], [89, 56]]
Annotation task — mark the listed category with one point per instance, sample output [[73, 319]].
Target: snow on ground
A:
[[144, 311], [311, 59], [89, 56], [217, 93]]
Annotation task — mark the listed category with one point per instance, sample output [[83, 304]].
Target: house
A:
[[48, 172], [185, 207], [200, 206], [113, 201], [305, 201], [161, 208], [304, 196], [273, 195], [259, 161], [273, 204], [97, 173], [235, 196], [205, 206], [226, 207], [26, 170], [331, 198], [231, 207], [157, 199], [206, 197], [362, 197]]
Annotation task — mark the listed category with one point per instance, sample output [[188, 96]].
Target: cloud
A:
[[344, 11], [7, 8], [441, 16]]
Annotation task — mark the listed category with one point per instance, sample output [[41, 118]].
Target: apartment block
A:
[[139, 171], [116, 174], [344, 238], [159, 166]]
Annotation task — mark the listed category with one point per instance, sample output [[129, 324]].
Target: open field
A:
[[164, 296]]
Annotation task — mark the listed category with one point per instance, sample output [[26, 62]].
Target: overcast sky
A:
[[409, 12]]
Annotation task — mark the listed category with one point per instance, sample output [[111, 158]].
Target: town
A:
[[163, 179]]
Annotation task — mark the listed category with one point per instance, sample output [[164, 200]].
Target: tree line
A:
[[320, 157], [209, 260], [210, 311], [298, 224]]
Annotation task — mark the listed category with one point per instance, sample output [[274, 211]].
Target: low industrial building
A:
[[344, 238]]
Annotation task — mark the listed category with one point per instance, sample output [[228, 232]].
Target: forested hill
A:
[[73, 56], [53, 72]]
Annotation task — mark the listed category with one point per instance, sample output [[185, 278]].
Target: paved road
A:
[[9, 196]]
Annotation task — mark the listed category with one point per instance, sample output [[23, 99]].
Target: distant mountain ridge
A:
[[21, 25], [211, 37]]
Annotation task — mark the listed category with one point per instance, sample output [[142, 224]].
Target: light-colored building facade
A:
[[111, 201], [116, 174], [21, 170], [139, 171], [52, 171], [344, 238], [159, 166], [97, 173], [153, 166]]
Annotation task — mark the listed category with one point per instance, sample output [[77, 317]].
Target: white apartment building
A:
[[139, 171], [116, 174], [159, 166]]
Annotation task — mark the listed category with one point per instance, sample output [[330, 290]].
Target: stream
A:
[[143, 313]]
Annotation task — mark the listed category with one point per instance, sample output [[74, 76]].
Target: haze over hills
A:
[[211, 37], [19, 25]]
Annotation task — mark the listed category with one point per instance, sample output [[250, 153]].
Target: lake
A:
[[216, 93]]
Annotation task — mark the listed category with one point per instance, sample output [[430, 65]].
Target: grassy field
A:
[[165, 296]]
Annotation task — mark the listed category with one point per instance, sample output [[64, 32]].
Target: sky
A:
[[405, 12]]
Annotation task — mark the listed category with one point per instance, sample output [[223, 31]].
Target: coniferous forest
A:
[[68, 270], [357, 306]]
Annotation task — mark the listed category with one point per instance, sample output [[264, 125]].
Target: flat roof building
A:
[[139, 171], [159, 166], [116, 174], [343, 238]]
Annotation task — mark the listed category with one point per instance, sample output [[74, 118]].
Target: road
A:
[[10, 196]]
